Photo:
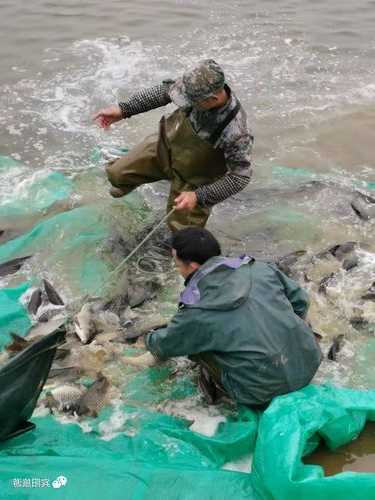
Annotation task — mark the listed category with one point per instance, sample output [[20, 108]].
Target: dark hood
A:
[[220, 284]]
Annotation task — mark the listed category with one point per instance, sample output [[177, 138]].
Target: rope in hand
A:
[[146, 238]]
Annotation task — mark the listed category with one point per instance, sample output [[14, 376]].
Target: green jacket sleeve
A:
[[182, 337], [295, 294]]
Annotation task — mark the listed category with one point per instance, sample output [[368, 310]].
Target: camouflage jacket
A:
[[236, 140]]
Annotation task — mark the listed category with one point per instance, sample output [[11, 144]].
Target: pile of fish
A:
[[88, 370], [341, 285]]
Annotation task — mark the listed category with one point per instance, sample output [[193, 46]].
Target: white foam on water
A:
[[366, 91], [340, 372], [206, 419], [350, 286], [74, 419], [112, 427], [205, 424], [277, 74], [41, 411], [17, 186], [108, 66]]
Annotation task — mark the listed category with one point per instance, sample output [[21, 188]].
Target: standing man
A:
[[203, 148], [242, 320]]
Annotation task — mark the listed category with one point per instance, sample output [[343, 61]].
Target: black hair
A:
[[195, 244]]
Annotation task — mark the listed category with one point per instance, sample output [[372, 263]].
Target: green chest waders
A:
[[178, 154]]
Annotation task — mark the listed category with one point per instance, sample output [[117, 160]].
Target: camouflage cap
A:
[[198, 84]]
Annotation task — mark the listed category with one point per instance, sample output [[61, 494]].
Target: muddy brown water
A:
[[357, 456]]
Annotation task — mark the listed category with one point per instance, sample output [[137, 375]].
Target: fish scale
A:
[[94, 399], [66, 396]]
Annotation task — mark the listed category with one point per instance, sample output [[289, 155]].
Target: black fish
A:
[[364, 206], [35, 301], [12, 266], [52, 295], [340, 251], [335, 347], [324, 282], [350, 262], [137, 295]]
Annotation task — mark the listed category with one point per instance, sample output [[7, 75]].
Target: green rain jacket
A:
[[249, 317]]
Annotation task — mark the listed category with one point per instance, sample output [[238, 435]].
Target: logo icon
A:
[[59, 481]]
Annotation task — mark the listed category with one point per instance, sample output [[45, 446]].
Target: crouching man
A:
[[242, 320]]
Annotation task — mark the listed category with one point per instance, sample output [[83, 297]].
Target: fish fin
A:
[[52, 294]]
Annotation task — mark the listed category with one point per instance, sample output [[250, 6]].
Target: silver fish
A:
[[84, 325], [364, 206], [46, 314], [94, 399], [64, 397], [35, 301]]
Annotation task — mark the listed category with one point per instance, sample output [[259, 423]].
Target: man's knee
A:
[[114, 172]]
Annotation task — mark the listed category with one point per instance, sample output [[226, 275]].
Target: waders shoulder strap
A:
[[217, 133]]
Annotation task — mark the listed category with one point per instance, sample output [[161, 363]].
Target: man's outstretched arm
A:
[[182, 337], [140, 102], [146, 99]]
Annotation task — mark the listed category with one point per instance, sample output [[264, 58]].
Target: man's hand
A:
[[107, 116], [187, 200]]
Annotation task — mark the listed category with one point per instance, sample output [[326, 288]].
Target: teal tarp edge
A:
[[13, 316], [43, 193], [286, 433], [281, 171], [31, 241], [37, 190]]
